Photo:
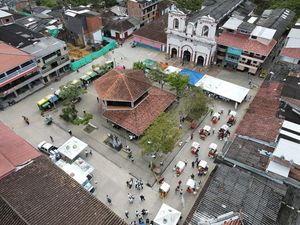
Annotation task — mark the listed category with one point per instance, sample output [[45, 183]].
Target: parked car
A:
[[46, 147]]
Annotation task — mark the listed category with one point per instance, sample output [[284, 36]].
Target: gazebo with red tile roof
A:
[[129, 99]]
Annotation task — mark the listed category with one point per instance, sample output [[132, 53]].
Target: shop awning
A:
[[234, 51]]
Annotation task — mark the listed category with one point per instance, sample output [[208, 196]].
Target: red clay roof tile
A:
[[141, 117], [11, 57], [14, 150], [291, 52], [243, 42], [260, 120], [122, 85]]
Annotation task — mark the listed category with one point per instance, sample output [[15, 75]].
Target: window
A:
[[13, 70], [253, 37], [6, 20], [26, 64], [175, 23], [2, 75], [205, 31], [65, 48]]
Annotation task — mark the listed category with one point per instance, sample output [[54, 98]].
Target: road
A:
[[112, 168]]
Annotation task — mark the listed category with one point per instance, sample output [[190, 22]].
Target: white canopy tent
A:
[[167, 215], [72, 148], [223, 88]]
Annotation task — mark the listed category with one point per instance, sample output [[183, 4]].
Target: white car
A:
[[46, 147]]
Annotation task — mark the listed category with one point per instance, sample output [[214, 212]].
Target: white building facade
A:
[[192, 40]]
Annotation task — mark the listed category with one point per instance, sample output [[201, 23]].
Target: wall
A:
[[93, 23], [122, 35], [150, 43], [289, 59], [133, 9]]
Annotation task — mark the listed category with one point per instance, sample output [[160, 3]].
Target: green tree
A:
[[85, 120], [158, 76], [162, 135], [178, 82], [139, 66], [189, 4], [70, 93], [195, 103]]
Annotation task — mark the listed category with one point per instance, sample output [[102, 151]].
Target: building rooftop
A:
[[243, 42], [122, 85], [154, 31], [291, 52], [232, 23], [277, 19], [291, 87], [42, 193], [250, 152], [216, 9], [289, 150], [118, 24], [257, 199], [4, 14], [11, 57], [44, 46], [18, 36], [14, 151], [143, 115], [260, 120], [263, 32]]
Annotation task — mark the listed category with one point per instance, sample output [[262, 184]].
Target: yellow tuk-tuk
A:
[[43, 104]]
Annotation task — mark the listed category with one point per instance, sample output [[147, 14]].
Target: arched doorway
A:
[[200, 61], [173, 52], [186, 56]]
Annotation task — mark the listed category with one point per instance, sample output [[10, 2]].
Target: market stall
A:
[[231, 118], [204, 132], [212, 153], [202, 167], [164, 190], [191, 185], [223, 89], [195, 147], [223, 132], [167, 216], [179, 168], [215, 117], [71, 149]]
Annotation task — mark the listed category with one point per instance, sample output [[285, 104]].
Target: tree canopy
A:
[[70, 93], [189, 4], [178, 82], [195, 103], [158, 76], [139, 66], [162, 135]]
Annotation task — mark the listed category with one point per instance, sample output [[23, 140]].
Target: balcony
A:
[[19, 71], [146, 5], [232, 59]]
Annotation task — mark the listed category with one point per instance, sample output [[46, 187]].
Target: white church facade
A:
[[191, 39]]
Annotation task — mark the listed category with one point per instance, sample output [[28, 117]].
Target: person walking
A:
[[91, 151], [192, 136], [229, 111], [137, 213], [142, 197], [98, 99], [179, 183], [193, 164], [51, 139], [127, 214], [213, 131], [108, 199], [70, 132], [86, 153]]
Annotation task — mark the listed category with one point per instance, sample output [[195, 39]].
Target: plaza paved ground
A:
[[112, 168]]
